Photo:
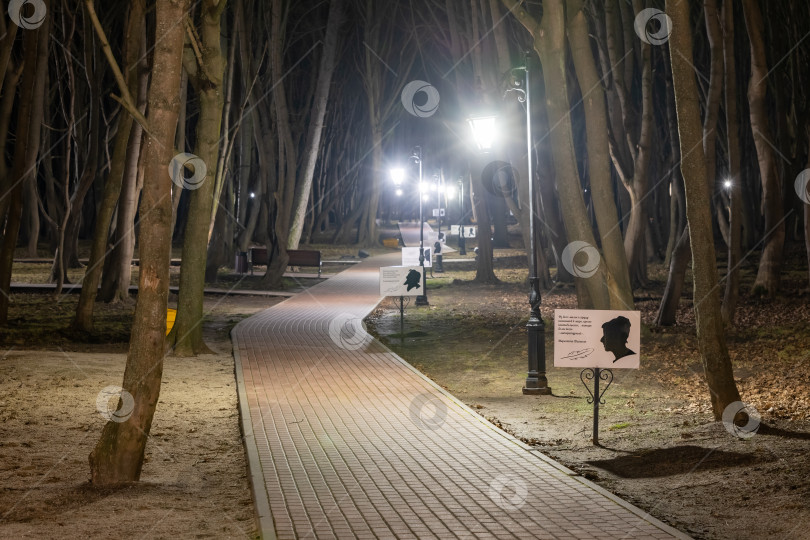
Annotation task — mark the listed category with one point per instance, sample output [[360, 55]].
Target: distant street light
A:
[[483, 130], [727, 184]]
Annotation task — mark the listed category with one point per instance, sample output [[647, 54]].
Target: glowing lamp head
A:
[[398, 176], [483, 131]]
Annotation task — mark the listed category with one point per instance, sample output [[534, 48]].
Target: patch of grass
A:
[[620, 425]]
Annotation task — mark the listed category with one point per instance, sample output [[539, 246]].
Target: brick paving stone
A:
[[348, 440]]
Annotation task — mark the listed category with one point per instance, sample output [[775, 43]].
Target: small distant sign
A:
[[410, 257], [468, 232], [438, 212], [401, 281], [590, 338], [454, 230]]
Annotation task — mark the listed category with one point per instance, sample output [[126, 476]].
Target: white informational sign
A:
[[454, 230], [590, 338], [468, 231], [401, 281], [438, 212], [410, 257]]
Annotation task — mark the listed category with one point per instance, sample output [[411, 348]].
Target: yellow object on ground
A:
[[391, 242], [171, 315]]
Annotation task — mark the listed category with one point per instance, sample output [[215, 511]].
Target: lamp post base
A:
[[422, 301], [538, 391]]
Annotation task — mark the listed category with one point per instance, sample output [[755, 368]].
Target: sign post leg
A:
[[596, 374], [596, 406], [401, 321]]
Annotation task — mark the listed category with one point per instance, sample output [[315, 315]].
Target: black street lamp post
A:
[[536, 382], [462, 243]]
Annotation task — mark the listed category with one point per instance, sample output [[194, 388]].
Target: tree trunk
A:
[[679, 262], [117, 273], [180, 144], [484, 271], [206, 74], [621, 293], [31, 216], [732, 140], [26, 149], [770, 263], [112, 186], [549, 42], [311, 151], [69, 257], [708, 319], [118, 455]]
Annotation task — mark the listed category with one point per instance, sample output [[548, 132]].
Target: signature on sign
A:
[[578, 355]]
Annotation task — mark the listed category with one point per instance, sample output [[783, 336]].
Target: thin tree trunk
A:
[[770, 263], [117, 274], [549, 42], [26, 149], [180, 144], [621, 293], [327, 67], [112, 186], [732, 140], [206, 73], [484, 270], [119, 453], [708, 319], [679, 263]]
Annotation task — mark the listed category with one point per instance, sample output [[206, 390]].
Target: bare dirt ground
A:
[[194, 481], [661, 449]]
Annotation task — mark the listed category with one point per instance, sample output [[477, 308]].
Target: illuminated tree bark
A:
[[119, 453], [708, 318]]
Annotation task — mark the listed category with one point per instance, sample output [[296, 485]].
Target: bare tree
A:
[[770, 263], [112, 186], [26, 149], [731, 294], [708, 318], [118, 455], [303, 186], [205, 65]]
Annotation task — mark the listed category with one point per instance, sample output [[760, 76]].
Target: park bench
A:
[[298, 257]]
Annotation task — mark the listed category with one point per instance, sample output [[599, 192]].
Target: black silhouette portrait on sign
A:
[[412, 280], [614, 337]]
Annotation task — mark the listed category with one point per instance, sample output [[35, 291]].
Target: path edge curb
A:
[[261, 503]]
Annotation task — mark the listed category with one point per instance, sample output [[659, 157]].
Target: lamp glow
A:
[[398, 175], [727, 184], [483, 130], [399, 192]]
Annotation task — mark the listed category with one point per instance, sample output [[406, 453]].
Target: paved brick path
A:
[[346, 440], [410, 236]]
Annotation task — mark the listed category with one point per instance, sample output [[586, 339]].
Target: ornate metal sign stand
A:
[[596, 374]]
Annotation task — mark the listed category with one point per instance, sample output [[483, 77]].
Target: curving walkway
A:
[[346, 440]]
